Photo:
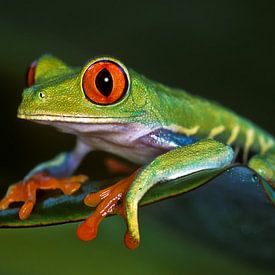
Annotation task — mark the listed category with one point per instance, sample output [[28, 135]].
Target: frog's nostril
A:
[[41, 95]]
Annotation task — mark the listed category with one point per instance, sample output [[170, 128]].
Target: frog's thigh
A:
[[264, 165], [204, 154]]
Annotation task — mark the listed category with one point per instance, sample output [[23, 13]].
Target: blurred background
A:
[[222, 50]]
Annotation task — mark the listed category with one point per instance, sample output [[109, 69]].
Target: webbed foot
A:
[[25, 191], [108, 201]]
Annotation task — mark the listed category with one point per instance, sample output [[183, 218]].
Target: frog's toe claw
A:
[[108, 201], [130, 241], [26, 210], [87, 231], [4, 204], [72, 184], [14, 194], [25, 191]]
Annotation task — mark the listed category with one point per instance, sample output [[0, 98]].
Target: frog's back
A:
[[197, 117]]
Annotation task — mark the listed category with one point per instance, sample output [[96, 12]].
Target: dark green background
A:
[[223, 50]]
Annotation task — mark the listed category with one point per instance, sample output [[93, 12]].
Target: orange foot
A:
[[25, 191], [115, 166], [109, 201]]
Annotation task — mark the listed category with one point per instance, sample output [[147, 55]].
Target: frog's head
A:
[[102, 91]]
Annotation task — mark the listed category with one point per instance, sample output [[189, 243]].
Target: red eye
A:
[[31, 74], [105, 82]]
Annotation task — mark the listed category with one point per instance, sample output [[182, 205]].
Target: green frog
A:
[[167, 132]]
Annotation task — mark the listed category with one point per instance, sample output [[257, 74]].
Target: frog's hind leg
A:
[[123, 197], [264, 165]]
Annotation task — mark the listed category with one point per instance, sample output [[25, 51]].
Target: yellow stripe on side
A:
[[186, 131], [216, 131], [265, 145], [234, 135], [250, 135]]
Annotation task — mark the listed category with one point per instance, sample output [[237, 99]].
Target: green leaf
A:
[[63, 209]]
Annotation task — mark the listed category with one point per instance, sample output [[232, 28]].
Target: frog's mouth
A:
[[81, 125], [51, 119]]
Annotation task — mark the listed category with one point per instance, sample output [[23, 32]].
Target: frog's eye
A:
[[31, 74], [105, 82]]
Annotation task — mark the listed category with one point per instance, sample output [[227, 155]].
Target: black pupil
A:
[[104, 82]]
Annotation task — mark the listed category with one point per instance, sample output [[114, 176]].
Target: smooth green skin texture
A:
[[57, 98]]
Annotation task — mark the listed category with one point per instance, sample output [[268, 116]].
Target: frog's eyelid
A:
[[50, 67]]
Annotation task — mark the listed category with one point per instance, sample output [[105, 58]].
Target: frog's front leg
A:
[[123, 198], [64, 164], [53, 174]]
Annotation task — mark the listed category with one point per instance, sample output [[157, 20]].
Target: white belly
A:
[[120, 139]]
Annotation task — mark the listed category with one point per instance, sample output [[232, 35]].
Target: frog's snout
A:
[[31, 101]]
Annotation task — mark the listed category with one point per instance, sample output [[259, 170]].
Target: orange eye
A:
[[105, 82], [31, 74]]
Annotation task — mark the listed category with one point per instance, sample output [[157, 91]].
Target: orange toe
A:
[[129, 242], [88, 229], [71, 184], [109, 201], [93, 199], [26, 210]]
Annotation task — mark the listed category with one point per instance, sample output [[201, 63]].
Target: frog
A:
[[167, 132]]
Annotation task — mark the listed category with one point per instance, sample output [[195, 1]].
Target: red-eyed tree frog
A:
[[169, 133]]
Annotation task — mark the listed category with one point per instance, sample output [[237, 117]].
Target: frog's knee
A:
[[263, 166]]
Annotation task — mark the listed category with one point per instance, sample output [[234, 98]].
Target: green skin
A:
[[57, 98]]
